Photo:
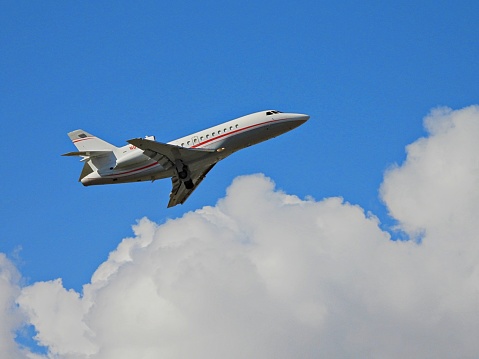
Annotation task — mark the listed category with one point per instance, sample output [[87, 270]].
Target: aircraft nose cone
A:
[[301, 117]]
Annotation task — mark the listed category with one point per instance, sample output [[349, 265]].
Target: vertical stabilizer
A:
[[87, 142], [96, 153]]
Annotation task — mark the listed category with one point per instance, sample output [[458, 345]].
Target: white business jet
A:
[[186, 160]]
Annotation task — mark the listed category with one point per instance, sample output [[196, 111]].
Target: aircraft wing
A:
[[179, 193], [172, 152], [163, 152]]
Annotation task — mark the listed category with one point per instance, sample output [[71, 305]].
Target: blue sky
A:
[[366, 72]]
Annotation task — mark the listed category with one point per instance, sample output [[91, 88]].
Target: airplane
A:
[[186, 160]]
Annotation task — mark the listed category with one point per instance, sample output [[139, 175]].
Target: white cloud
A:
[[10, 318], [437, 188], [267, 275], [57, 314]]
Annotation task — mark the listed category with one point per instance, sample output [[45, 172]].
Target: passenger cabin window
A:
[[236, 125]]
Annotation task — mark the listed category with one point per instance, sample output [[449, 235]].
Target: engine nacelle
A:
[[135, 156]]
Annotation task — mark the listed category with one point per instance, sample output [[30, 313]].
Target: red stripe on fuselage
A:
[[233, 132], [198, 145], [134, 170]]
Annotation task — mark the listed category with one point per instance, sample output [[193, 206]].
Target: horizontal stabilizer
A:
[[88, 153]]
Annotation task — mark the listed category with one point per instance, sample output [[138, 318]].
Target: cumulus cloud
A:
[[265, 274], [10, 317], [437, 188]]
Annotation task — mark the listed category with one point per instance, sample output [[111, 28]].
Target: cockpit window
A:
[[272, 112]]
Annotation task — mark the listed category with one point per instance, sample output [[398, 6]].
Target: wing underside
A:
[[170, 154], [179, 193]]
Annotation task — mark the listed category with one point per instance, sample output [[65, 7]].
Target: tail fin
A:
[[87, 142], [96, 153]]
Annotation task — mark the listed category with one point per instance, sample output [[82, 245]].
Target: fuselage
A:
[[129, 164]]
